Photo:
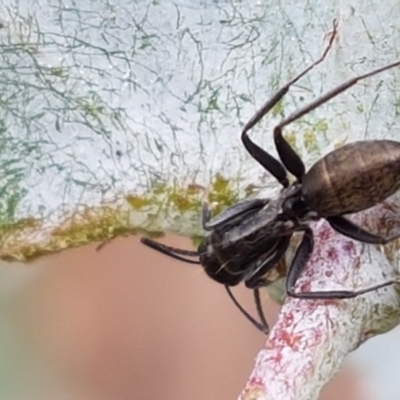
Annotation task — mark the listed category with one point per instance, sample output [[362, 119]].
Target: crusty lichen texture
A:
[[161, 208]]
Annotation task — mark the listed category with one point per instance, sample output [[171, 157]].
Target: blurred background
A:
[[129, 323]]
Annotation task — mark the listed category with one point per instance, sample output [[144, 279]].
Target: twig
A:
[[308, 344]]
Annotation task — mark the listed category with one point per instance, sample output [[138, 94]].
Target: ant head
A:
[[213, 267]]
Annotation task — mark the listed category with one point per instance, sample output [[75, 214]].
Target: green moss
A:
[[212, 102], [321, 126], [92, 109], [146, 41], [397, 106], [143, 214], [222, 194], [182, 200], [138, 202], [24, 223], [186, 201], [312, 133], [278, 110], [56, 72], [86, 226], [309, 141], [159, 188]]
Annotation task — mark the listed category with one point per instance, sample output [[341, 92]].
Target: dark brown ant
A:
[[247, 240]]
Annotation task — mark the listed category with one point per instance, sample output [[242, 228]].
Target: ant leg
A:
[[230, 214], [353, 231], [270, 163], [342, 294], [102, 244], [255, 281], [171, 251], [256, 278], [289, 158], [263, 326], [260, 311], [174, 253], [300, 260]]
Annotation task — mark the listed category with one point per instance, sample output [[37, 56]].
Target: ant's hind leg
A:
[[300, 260], [353, 231]]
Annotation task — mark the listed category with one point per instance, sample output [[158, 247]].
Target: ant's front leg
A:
[[170, 251], [271, 164]]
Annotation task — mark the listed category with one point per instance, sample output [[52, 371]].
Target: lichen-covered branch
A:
[[311, 339], [102, 105]]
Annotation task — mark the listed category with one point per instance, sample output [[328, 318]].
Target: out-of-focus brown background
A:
[[127, 323]]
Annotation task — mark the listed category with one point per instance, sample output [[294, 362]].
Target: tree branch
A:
[[311, 339]]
